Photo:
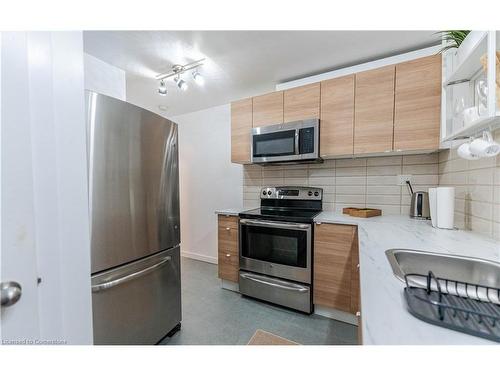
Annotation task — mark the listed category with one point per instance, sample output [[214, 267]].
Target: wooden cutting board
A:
[[362, 212]]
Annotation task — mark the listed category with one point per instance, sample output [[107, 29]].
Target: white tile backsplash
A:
[[373, 182], [477, 190], [357, 182]]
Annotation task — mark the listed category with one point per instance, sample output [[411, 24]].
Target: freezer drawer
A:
[[138, 303]]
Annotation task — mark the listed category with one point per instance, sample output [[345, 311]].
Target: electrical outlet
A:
[[402, 178]]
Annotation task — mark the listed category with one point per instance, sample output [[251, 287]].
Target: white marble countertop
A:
[[230, 211], [385, 319]]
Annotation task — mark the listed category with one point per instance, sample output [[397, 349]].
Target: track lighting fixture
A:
[[176, 72]]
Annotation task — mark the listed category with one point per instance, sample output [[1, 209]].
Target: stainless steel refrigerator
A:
[[135, 226]]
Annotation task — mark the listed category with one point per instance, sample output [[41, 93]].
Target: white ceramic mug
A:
[[485, 146], [470, 115], [465, 153]]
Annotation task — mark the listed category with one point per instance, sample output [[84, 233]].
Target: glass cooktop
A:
[[281, 214]]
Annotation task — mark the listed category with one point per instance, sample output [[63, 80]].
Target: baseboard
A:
[[197, 256], [343, 316], [230, 285]]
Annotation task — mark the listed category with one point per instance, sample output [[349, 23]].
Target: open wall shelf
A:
[[471, 89]]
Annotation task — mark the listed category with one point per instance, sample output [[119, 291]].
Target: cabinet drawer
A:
[[228, 221], [229, 264], [228, 235]]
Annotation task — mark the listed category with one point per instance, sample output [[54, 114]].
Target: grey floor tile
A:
[[215, 316]]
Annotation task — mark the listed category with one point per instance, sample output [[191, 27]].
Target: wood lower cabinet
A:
[[302, 103], [417, 111], [337, 117], [241, 127], [333, 267], [268, 109], [374, 111], [228, 254]]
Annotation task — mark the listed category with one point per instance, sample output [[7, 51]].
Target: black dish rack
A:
[[469, 308]]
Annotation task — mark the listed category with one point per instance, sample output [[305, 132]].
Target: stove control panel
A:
[[292, 192]]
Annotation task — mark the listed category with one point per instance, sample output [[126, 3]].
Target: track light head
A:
[[162, 89], [181, 84], [198, 78]]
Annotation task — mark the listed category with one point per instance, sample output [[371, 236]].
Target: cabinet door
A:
[[268, 109], [337, 116], [374, 111], [417, 116], [228, 260], [302, 103], [241, 126], [332, 265]]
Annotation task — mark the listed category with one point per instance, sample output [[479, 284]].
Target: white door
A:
[[44, 198], [18, 257]]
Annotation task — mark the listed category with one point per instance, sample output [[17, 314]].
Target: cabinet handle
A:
[[358, 313], [357, 266], [228, 255], [228, 228]]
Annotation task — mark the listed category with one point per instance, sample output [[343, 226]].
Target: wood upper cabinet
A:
[[268, 109], [417, 112], [333, 265], [241, 126], [374, 111], [228, 257], [302, 103], [337, 117]]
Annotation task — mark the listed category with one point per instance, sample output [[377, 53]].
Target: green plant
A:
[[453, 38]]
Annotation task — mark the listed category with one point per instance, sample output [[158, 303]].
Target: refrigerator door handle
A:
[[134, 275]]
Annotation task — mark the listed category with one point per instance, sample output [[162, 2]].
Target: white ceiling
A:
[[239, 63]]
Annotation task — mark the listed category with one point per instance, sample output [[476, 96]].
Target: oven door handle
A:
[[268, 281], [273, 224]]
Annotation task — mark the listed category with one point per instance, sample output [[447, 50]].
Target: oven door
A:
[[275, 248]]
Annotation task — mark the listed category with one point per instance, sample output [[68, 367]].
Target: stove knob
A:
[[316, 193], [269, 192], [310, 193], [264, 192]]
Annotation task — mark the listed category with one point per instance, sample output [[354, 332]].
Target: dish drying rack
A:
[[465, 307]]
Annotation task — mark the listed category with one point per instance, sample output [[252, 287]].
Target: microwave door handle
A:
[[296, 141], [134, 275], [274, 224]]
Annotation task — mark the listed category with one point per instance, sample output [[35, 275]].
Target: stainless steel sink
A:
[[465, 270]]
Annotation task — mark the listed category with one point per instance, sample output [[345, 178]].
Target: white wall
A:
[[104, 78], [208, 179]]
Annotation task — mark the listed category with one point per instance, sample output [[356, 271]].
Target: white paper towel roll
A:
[[445, 207]]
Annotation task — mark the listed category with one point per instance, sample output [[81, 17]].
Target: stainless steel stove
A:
[[276, 246]]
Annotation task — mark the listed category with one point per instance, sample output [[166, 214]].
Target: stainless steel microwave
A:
[[293, 141]]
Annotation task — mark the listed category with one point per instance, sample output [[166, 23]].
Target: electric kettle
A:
[[419, 206]]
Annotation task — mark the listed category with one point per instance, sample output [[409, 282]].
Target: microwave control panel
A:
[[306, 141]]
